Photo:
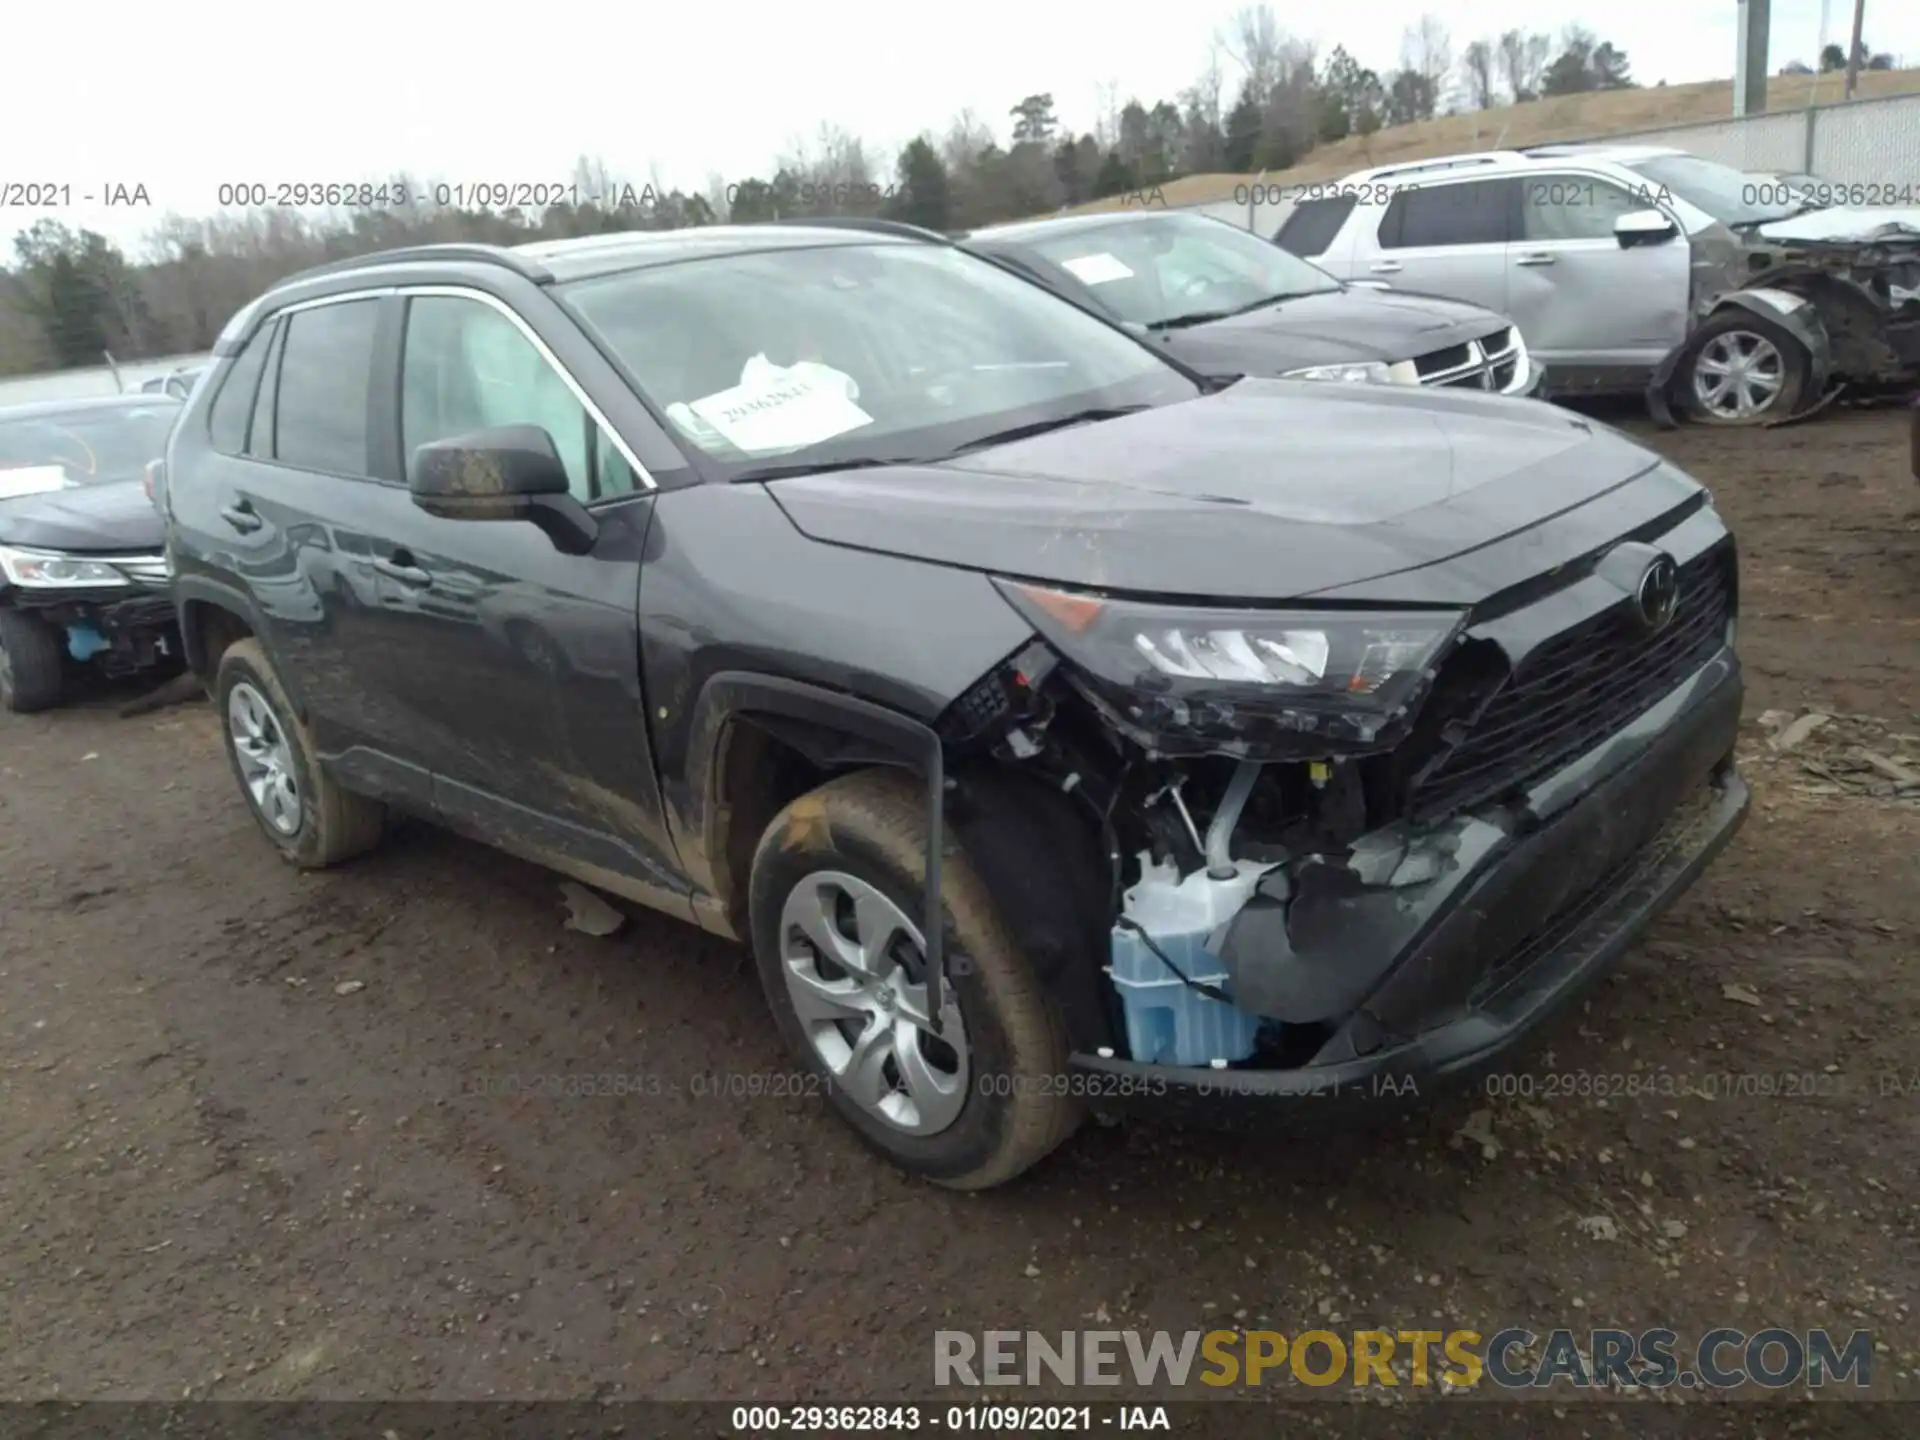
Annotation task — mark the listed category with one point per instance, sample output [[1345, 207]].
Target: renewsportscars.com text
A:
[[1513, 1358]]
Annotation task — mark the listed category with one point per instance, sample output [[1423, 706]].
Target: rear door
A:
[[1447, 237], [290, 513], [1580, 297]]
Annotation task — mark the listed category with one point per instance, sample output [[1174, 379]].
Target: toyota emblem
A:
[[1657, 594]]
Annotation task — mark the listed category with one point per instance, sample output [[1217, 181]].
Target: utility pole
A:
[[1750, 58], [1853, 50]]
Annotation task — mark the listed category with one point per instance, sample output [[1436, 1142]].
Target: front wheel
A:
[[1743, 370], [836, 911], [33, 669]]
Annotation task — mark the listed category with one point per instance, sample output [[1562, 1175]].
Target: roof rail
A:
[[1448, 162], [861, 222], [456, 252]]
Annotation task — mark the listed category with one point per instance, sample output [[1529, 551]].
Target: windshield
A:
[[1733, 197], [849, 352], [1174, 269], [92, 446]]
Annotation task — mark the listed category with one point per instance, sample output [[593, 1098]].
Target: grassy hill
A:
[[1565, 117]]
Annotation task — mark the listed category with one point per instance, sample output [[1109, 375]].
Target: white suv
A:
[[1629, 267]]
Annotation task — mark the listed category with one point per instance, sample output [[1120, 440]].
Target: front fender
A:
[[1795, 314]]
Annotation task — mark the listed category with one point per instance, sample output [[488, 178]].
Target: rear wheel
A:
[[33, 663], [311, 821], [1743, 370], [836, 909]]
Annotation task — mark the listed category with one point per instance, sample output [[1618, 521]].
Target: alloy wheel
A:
[[855, 967], [266, 759], [1738, 375]]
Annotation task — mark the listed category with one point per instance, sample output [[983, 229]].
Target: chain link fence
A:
[[1856, 142]]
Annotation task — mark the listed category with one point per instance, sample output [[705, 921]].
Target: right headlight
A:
[[1313, 682]]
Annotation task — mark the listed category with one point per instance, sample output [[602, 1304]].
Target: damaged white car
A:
[[1731, 298]]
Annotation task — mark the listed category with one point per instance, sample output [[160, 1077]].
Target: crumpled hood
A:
[[113, 518], [1843, 224], [1271, 489], [1341, 327]]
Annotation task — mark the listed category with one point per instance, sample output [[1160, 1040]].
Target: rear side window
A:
[[1310, 229], [232, 407], [1473, 212], [320, 417]]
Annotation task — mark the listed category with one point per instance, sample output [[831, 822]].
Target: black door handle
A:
[[241, 517], [398, 569]]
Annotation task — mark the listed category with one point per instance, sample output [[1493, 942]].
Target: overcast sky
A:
[[181, 99]]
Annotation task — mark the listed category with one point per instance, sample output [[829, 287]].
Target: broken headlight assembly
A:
[[1296, 682], [51, 570]]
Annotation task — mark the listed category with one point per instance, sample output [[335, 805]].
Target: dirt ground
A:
[[255, 1141]]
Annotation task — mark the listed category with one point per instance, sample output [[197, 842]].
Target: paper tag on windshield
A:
[[784, 414], [1096, 269], [32, 480]]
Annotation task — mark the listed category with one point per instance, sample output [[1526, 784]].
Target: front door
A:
[[517, 666], [1580, 297]]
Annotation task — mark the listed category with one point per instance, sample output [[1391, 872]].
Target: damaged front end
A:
[[1349, 842], [1849, 301]]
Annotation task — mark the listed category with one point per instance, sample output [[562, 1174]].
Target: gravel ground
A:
[[255, 1140]]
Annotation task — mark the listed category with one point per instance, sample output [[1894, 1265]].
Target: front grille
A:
[[1484, 364], [1578, 688]]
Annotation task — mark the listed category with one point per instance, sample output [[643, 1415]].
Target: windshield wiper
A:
[[818, 467], [1207, 317], [1042, 427]]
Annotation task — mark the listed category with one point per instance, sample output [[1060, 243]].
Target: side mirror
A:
[[1643, 227], [511, 472]]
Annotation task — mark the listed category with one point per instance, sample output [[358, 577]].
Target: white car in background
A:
[[1736, 298]]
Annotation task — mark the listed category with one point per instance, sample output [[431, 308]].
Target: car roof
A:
[[1511, 162], [85, 405], [584, 256], [1020, 230]]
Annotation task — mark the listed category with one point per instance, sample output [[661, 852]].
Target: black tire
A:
[[334, 824], [1795, 369], [33, 663], [872, 825]]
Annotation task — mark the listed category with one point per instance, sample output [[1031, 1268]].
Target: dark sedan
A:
[[83, 568], [1229, 303]]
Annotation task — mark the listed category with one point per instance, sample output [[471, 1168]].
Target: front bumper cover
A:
[[140, 626], [1525, 916]]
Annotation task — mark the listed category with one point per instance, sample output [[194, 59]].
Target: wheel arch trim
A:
[[731, 696]]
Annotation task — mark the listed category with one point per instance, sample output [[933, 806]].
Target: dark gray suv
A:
[[1063, 731]]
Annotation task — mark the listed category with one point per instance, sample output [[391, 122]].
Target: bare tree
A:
[[1426, 50], [1106, 114], [1523, 60], [1477, 74], [1255, 42]]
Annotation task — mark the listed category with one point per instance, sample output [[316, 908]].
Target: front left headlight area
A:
[[50, 570], [1180, 680], [1367, 372]]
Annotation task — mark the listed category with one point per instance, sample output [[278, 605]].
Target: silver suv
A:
[[1632, 267]]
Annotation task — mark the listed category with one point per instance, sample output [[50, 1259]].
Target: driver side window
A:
[[1574, 207], [468, 367]]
